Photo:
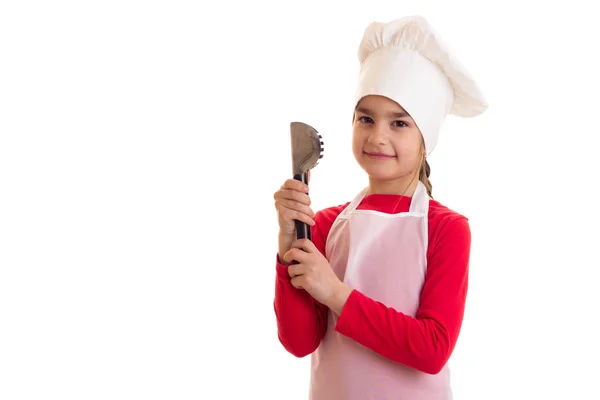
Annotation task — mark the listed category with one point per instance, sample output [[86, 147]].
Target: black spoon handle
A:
[[302, 229]]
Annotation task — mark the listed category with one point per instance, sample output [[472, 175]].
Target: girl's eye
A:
[[365, 120], [400, 124]]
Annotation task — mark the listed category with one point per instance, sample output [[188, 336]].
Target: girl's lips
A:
[[379, 156]]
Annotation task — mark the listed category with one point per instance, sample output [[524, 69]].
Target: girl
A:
[[377, 298]]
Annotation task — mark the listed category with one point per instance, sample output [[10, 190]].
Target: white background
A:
[[141, 144]]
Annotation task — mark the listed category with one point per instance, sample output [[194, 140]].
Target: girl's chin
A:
[[381, 176]]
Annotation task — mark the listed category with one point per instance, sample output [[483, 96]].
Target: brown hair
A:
[[425, 170], [424, 176]]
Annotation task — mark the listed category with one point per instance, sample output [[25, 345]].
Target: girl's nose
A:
[[377, 135]]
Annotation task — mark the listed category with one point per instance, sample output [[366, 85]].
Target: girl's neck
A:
[[404, 187]]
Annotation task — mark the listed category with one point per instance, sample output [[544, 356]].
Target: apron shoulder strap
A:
[[355, 202], [420, 200]]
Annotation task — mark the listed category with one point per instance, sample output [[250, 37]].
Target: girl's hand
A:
[[314, 274], [292, 203]]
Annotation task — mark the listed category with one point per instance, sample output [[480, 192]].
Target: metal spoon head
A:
[[307, 147]]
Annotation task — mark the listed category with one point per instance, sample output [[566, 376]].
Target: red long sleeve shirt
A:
[[424, 342]]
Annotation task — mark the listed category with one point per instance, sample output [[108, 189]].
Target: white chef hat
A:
[[406, 61]]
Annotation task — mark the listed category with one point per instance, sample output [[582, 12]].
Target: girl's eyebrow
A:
[[399, 114], [392, 114]]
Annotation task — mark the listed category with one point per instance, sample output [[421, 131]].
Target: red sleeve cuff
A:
[[346, 321], [282, 270]]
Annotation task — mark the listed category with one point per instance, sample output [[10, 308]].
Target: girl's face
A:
[[387, 145]]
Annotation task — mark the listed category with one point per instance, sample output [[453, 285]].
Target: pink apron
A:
[[384, 256]]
